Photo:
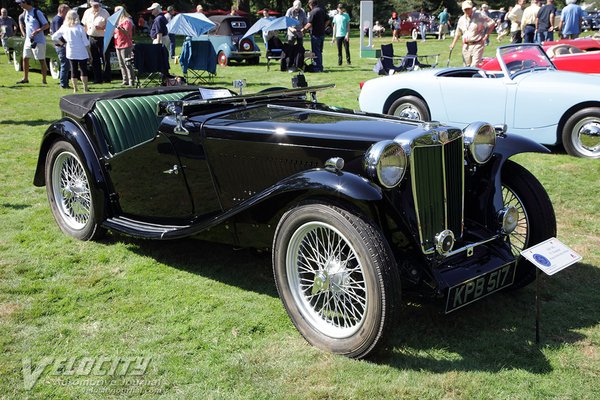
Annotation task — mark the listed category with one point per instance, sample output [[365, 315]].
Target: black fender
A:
[[507, 146], [313, 183], [72, 132]]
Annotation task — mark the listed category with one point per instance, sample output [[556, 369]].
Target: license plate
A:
[[479, 287]]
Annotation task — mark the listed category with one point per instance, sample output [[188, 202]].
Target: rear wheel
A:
[[537, 222], [410, 107], [72, 200], [414, 34], [581, 134], [253, 61], [222, 59], [336, 277]]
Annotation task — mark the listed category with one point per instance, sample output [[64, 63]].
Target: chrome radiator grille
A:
[[437, 172]]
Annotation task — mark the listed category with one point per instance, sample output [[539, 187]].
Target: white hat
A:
[[94, 2], [153, 6], [297, 4], [467, 4]]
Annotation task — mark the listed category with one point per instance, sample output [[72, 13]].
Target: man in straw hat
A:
[[475, 29]]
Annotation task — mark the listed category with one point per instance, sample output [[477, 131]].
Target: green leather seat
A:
[[130, 121]]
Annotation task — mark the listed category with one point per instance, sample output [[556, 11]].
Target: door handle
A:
[[172, 171]]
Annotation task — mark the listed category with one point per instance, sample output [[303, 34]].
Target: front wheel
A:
[[414, 34], [581, 134], [336, 277], [54, 66], [222, 59], [74, 204], [410, 107], [537, 222]]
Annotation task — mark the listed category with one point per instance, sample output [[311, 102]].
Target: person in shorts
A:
[[35, 41]]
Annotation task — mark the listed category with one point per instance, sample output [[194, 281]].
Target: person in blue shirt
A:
[[35, 41], [570, 20], [60, 48]]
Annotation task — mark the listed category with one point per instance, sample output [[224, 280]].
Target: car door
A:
[[149, 182], [468, 99]]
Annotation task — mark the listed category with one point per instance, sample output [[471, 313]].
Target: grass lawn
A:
[[208, 316]]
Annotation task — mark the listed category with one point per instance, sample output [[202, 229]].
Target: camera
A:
[[33, 45]]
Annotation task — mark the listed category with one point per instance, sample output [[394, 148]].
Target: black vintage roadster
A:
[[355, 207]]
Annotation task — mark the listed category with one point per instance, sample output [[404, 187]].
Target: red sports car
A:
[[577, 55]]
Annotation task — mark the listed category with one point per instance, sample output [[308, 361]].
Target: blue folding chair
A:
[[198, 61]]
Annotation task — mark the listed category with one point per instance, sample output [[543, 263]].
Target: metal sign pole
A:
[[537, 306]]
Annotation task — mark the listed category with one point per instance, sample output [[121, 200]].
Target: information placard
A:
[[551, 256]]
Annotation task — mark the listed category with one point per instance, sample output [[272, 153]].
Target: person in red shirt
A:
[[124, 46]]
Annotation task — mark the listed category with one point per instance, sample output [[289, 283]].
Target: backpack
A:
[[35, 15]]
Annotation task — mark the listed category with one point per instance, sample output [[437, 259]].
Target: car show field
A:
[[208, 316]]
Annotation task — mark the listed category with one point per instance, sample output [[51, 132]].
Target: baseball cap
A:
[[153, 6], [467, 4]]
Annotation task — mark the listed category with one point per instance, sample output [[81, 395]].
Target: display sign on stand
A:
[[366, 31]]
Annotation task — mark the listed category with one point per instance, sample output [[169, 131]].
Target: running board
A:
[[140, 229]]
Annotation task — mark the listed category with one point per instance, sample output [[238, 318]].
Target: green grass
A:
[[210, 318]]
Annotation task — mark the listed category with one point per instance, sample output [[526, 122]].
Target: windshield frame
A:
[[542, 63]]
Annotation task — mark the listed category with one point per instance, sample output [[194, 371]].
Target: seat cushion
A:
[[127, 122]]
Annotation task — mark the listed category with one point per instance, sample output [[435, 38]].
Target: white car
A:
[[528, 95]]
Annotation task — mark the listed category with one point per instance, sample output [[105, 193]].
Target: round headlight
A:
[[480, 138], [386, 163]]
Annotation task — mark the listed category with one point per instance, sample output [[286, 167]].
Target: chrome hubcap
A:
[[326, 279], [71, 190], [519, 237], [408, 111], [586, 136]]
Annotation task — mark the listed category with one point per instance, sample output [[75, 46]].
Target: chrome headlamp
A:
[[480, 139], [385, 162]]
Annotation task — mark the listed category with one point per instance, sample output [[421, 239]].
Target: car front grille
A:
[[437, 173]]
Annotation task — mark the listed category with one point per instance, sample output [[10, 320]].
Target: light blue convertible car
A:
[[528, 94], [226, 38]]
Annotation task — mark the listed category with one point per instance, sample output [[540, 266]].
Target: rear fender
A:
[[69, 130]]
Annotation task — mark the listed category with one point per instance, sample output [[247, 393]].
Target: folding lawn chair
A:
[[425, 61], [198, 61], [274, 50], [151, 63], [386, 64]]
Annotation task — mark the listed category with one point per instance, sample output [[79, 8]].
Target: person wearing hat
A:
[[341, 32], [528, 21], [169, 16], [475, 29], [294, 33], [159, 32], [35, 41], [94, 20]]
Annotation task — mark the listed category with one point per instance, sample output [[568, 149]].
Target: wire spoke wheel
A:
[[77, 206], [326, 279], [519, 238], [71, 190], [336, 277]]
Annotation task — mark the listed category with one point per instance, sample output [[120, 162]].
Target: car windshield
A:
[[523, 58]]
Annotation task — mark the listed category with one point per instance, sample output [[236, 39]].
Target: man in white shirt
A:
[[94, 22]]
